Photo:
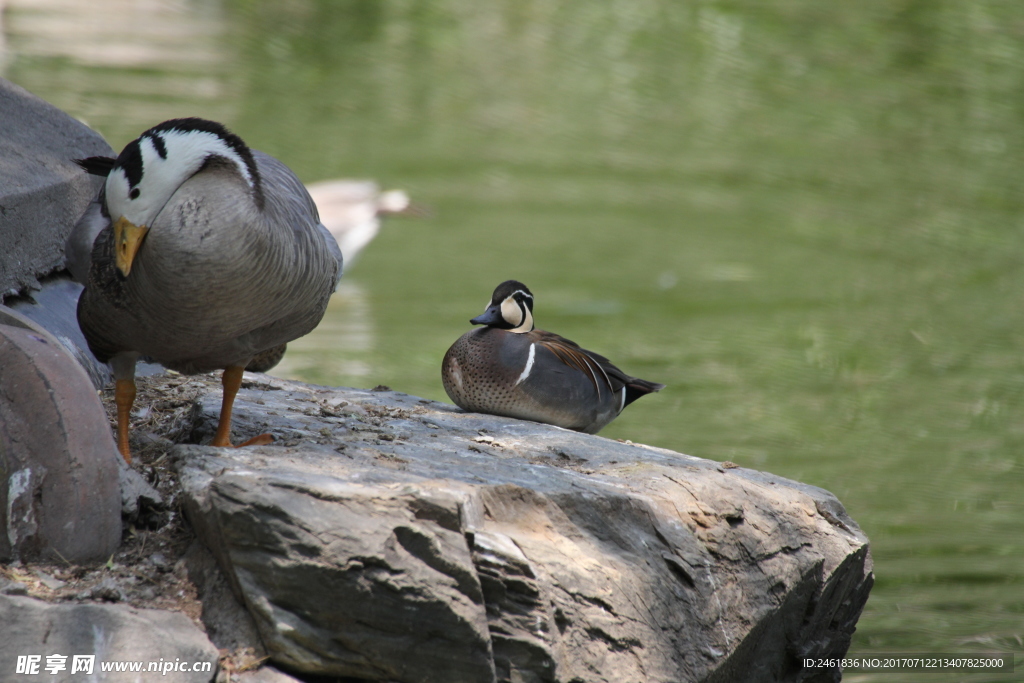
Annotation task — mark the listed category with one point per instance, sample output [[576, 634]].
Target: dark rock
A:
[[402, 539], [113, 633], [42, 191], [378, 613], [267, 674], [138, 498], [59, 493], [227, 623], [159, 560], [14, 588], [54, 307], [107, 590], [140, 502]]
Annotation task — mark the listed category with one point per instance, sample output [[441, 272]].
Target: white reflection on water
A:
[[125, 63]]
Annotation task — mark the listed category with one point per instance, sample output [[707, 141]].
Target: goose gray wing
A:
[[333, 248], [218, 279], [287, 202], [79, 245]]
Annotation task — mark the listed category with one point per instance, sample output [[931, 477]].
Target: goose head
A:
[[152, 167], [510, 308]]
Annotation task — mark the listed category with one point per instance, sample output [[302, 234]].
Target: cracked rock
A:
[[470, 562]]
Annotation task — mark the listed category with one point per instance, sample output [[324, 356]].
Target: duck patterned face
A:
[[151, 168], [516, 311], [514, 301]]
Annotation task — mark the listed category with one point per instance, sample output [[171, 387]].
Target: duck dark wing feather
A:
[[594, 365]]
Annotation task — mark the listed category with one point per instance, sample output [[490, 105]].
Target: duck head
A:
[[510, 308], [152, 167]]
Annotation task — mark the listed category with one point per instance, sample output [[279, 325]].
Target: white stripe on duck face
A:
[[529, 365]]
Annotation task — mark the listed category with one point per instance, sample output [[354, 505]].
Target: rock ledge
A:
[[394, 538]]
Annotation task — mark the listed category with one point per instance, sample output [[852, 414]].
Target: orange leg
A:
[[124, 397], [232, 380]]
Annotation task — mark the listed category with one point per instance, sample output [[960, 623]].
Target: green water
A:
[[806, 218]]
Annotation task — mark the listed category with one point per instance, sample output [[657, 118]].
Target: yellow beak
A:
[[127, 240]]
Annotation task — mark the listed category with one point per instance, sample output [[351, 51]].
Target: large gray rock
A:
[[392, 538], [42, 195], [112, 633], [60, 498], [54, 307], [21, 411], [42, 192], [227, 623]]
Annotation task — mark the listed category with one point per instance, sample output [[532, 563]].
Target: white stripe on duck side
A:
[[529, 365]]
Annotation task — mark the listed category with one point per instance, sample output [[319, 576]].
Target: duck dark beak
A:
[[491, 316]]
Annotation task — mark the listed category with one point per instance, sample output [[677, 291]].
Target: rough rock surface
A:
[[227, 623], [42, 192], [137, 496], [113, 633], [391, 538], [267, 674], [54, 307], [60, 498]]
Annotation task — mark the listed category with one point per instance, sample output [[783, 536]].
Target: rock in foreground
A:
[[59, 493], [392, 538], [154, 640]]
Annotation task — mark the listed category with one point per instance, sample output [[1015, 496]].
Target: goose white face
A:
[[146, 177], [152, 168]]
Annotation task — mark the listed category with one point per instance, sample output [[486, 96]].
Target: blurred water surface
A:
[[804, 217]]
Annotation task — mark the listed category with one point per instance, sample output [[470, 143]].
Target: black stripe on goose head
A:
[[190, 124], [130, 161], [96, 165]]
